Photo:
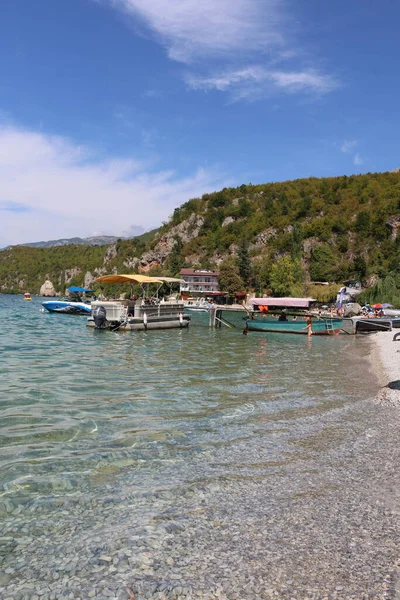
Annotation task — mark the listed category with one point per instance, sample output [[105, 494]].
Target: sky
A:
[[115, 112]]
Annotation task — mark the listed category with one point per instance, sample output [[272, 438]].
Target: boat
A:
[[193, 305], [78, 304], [294, 317], [27, 296], [394, 315], [370, 324], [146, 313]]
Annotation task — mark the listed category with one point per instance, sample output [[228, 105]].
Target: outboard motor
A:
[[99, 315]]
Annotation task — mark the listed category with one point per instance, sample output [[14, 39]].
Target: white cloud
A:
[[232, 33], [52, 188], [193, 29], [250, 79], [348, 146]]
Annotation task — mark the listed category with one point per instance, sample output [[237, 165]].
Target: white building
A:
[[199, 282]]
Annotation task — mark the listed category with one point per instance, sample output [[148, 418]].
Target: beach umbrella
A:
[[386, 305], [324, 306], [377, 305]]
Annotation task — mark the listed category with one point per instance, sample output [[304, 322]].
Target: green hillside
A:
[[312, 229]]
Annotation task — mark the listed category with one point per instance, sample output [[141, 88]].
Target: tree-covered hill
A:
[[328, 229]]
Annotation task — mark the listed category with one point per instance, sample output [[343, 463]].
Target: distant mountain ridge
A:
[[96, 240]]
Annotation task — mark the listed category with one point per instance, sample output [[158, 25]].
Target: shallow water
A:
[[185, 427]]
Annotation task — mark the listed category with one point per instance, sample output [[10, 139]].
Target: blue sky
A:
[[114, 112]]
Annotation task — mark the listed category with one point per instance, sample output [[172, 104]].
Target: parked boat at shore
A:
[[294, 317], [144, 314], [299, 326]]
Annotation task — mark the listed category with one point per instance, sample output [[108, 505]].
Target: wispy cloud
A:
[[237, 44], [248, 80], [348, 146], [193, 29], [72, 191]]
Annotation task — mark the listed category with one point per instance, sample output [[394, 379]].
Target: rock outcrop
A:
[[110, 254], [70, 274], [186, 231], [227, 221], [89, 278], [394, 223], [47, 289], [132, 264]]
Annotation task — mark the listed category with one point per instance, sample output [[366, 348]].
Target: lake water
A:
[[186, 462]]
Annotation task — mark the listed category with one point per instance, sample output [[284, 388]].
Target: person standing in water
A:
[[309, 327]]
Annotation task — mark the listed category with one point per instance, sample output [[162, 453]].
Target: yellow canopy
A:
[[171, 280], [127, 279]]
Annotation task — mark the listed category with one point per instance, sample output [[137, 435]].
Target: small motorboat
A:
[[70, 308], [76, 305]]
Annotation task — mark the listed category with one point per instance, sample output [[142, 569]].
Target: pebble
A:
[[106, 558]]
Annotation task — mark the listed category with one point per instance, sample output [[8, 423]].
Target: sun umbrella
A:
[[324, 306], [377, 305], [386, 305]]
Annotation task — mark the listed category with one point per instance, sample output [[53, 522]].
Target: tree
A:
[[229, 279], [363, 222], [243, 261], [360, 267], [385, 290], [261, 275], [175, 260], [285, 276], [297, 238], [322, 263]]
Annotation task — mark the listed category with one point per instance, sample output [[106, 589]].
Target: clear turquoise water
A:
[[198, 458], [78, 404]]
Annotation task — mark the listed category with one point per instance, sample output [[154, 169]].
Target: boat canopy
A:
[[171, 280], [127, 279], [78, 290], [283, 302]]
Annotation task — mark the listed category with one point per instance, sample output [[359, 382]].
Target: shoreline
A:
[[385, 359]]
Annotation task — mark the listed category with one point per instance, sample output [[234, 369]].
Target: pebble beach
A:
[[386, 361]]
